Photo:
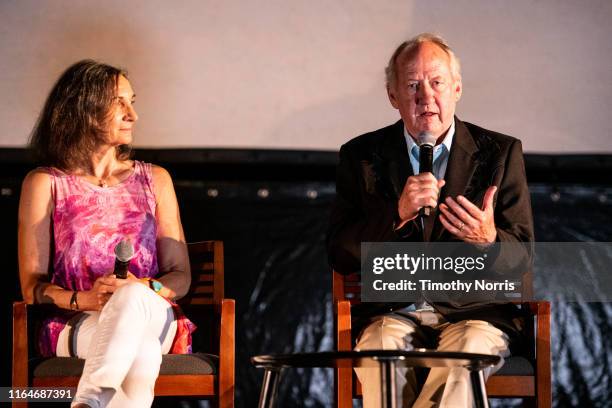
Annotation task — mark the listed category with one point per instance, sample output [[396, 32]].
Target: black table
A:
[[387, 360]]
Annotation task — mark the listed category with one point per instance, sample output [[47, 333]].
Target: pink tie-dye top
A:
[[88, 222]]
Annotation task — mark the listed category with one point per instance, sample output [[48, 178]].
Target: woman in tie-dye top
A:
[[72, 214]]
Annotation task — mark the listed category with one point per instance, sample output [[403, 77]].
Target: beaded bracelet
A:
[[154, 284]]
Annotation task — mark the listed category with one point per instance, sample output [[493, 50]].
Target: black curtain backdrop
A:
[[271, 210]]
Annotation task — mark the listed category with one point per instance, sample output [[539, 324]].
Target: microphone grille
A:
[[124, 251], [426, 138]]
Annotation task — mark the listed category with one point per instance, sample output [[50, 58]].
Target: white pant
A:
[[122, 346], [444, 387]]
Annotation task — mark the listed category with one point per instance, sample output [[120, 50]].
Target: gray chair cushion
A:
[[197, 363], [516, 366], [172, 364]]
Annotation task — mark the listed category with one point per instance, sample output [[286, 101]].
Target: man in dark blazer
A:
[[478, 194]]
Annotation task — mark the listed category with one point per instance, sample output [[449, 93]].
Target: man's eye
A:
[[413, 85]]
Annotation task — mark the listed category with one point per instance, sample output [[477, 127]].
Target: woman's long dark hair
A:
[[74, 120]]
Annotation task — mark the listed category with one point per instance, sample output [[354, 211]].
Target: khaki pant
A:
[[444, 387]]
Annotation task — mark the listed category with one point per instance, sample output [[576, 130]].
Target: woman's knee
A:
[[132, 289], [132, 292], [135, 295]]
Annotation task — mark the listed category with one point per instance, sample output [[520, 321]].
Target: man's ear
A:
[[392, 97], [458, 89]]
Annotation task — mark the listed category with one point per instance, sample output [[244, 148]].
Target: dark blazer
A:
[[371, 174]]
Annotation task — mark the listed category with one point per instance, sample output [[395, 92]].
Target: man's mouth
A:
[[427, 114]]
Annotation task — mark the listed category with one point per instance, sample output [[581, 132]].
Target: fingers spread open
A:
[[447, 213], [449, 225], [472, 209], [460, 212]]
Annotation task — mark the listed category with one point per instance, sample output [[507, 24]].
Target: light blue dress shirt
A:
[[440, 154], [440, 162]]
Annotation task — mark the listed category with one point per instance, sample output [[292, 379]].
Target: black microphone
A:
[[124, 251], [426, 142]]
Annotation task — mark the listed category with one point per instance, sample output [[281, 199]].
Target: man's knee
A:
[[387, 333], [474, 336]]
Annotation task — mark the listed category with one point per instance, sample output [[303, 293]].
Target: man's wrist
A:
[[405, 229], [397, 225]]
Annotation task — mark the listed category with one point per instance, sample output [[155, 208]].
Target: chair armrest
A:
[[531, 306], [343, 373], [343, 309], [541, 312], [20, 344], [227, 347], [543, 355]]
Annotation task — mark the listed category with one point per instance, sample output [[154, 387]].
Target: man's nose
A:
[[425, 94]]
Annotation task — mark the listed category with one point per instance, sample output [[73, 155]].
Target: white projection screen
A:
[[308, 75]]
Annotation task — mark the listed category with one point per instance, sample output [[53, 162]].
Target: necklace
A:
[[103, 180]]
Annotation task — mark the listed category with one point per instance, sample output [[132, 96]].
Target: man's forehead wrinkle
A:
[[433, 69], [429, 66], [417, 64]]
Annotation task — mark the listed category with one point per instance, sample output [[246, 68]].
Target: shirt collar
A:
[[447, 142]]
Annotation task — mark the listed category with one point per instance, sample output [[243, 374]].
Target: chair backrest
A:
[[202, 304], [206, 261], [346, 287]]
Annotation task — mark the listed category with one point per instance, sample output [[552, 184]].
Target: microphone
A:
[[426, 142], [124, 251]]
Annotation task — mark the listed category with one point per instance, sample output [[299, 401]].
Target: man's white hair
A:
[[415, 42]]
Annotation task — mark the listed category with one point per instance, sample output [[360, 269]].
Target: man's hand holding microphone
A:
[[458, 215], [421, 191]]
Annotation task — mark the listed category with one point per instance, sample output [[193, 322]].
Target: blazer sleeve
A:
[[513, 217], [513, 214], [358, 215]]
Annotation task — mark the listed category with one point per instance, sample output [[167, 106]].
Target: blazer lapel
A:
[[459, 171]]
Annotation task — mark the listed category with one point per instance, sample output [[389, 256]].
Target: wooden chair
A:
[[520, 377], [208, 374]]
